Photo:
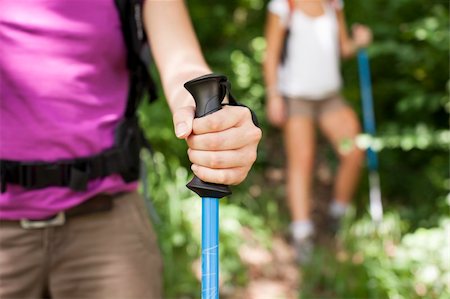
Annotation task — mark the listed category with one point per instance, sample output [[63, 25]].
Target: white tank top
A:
[[311, 69]]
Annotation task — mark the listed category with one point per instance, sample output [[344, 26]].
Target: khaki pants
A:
[[111, 254], [304, 107]]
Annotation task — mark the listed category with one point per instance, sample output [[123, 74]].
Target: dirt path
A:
[[272, 273]]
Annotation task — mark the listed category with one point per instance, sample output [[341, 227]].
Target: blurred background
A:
[[408, 255]]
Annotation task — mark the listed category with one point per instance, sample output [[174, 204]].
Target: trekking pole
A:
[[208, 95], [376, 207]]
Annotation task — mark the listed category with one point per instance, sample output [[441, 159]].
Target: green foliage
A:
[[410, 82], [383, 262], [409, 61]]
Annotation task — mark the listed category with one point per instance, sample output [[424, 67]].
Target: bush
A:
[[383, 262]]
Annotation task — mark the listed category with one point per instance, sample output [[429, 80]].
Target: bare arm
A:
[[346, 44], [222, 147], [361, 36], [175, 48], [275, 35], [274, 32]]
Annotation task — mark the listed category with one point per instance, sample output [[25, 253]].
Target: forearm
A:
[[274, 34], [175, 48], [270, 68], [348, 48], [347, 45]]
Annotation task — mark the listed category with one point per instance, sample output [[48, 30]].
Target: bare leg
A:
[[341, 127], [299, 137]]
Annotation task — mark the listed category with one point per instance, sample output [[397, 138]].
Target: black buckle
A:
[[79, 176]]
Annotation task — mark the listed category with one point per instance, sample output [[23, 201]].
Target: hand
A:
[[362, 35], [276, 110], [337, 4], [222, 145]]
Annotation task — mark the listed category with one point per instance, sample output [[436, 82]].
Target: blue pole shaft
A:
[[376, 206], [210, 248], [367, 105]]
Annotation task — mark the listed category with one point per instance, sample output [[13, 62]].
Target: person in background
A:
[[303, 89], [64, 83]]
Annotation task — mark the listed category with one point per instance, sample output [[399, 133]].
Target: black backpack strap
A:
[[139, 59], [138, 54], [287, 33], [72, 173]]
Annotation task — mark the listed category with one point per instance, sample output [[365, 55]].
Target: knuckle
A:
[[255, 134], [223, 177], [240, 176], [258, 133], [245, 112], [197, 171], [248, 156], [202, 174], [213, 143], [215, 161], [195, 126], [252, 157], [245, 172], [191, 142], [212, 123]]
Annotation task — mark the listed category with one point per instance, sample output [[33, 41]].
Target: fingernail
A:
[[181, 129], [194, 167]]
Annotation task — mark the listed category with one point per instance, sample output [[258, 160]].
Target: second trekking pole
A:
[[376, 207], [208, 93]]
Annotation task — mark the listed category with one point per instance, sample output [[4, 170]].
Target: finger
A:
[[231, 139], [225, 118], [230, 176], [223, 159], [182, 121]]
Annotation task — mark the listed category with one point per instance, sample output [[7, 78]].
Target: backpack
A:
[[138, 53]]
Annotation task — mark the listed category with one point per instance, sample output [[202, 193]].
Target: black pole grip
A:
[[208, 93]]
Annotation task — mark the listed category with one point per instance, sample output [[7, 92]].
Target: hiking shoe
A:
[[303, 249]]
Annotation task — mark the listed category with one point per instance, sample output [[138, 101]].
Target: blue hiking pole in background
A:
[[376, 207], [208, 92]]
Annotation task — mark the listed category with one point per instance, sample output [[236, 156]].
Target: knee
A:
[[354, 156]]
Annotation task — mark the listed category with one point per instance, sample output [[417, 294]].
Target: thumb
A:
[[182, 121]]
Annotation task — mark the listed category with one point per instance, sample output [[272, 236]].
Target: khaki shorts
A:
[[314, 108], [111, 254]]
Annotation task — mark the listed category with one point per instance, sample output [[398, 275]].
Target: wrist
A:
[[272, 91], [275, 99], [177, 96], [356, 45]]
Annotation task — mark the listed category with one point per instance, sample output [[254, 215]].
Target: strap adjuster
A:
[[58, 220], [79, 176]]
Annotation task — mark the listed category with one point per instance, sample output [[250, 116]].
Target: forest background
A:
[[408, 255]]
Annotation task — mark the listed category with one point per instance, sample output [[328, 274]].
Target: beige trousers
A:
[[299, 106], [111, 254]]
